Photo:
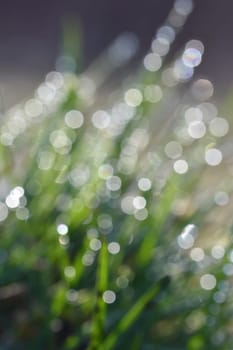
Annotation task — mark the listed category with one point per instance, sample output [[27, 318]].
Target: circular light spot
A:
[[64, 240], [22, 213], [180, 166], [191, 57], [105, 171], [185, 240], [181, 71], [72, 295], [208, 281], [127, 204], [74, 119], [95, 244], [139, 138], [219, 127], [218, 252], [59, 139], [92, 233], [209, 111], [160, 46], [18, 191], [183, 7], [167, 33], [139, 202], [193, 114], [45, 160], [202, 89], [213, 156], [62, 229], [196, 44], [219, 297], [109, 297], [33, 108], [152, 62], [122, 282], [46, 93], [228, 269], [113, 183], [141, 214], [88, 259], [197, 129], [133, 97], [79, 175], [175, 19], [173, 149], [153, 93], [114, 248], [12, 201], [105, 222], [101, 120], [69, 271], [197, 254], [55, 78], [144, 184]]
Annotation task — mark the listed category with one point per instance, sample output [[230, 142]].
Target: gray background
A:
[[30, 33]]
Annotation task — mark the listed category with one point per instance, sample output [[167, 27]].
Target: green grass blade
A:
[[100, 310], [131, 316]]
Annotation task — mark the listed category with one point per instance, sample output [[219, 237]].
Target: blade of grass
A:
[[100, 310], [157, 222], [131, 316]]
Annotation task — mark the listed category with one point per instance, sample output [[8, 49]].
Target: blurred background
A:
[[31, 37], [116, 187]]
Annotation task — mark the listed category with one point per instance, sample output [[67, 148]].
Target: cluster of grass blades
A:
[[116, 207]]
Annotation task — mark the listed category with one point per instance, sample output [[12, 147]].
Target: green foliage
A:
[[112, 237]]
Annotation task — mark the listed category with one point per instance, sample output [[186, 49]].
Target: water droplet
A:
[[208, 281], [109, 297]]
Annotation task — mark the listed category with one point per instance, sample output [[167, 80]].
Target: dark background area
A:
[[30, 36]]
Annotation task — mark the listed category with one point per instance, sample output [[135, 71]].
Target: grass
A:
[[107, 240]]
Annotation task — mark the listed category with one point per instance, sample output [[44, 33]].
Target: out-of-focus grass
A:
[[112, 237]]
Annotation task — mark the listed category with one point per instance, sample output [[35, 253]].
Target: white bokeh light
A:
[[109, 297], [180, 166], [213, 156], [114, 248], [218, 252], [191, 57], [197, 254], [173, 149], [219, 127], [152, 62], [197, 129], [74, 119], [62, 229], [101, 119], [144, 184], [133, 97], [208, 281]]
